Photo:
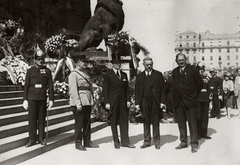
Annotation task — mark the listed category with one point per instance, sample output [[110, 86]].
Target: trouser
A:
[[151, 116], [203, 118], [82, 126], [216, 106], [187, 114], [36, 118], [120, 114]]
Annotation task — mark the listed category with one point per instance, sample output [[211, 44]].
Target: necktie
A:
[[181, 71], [118, 75]]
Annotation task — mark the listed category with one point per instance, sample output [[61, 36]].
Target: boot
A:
[[79, 146]]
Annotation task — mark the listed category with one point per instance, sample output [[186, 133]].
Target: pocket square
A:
[[124, 80]]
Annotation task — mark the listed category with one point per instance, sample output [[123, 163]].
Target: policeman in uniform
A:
[[216, 89], [81, 101], [38, 84], [203, 104]]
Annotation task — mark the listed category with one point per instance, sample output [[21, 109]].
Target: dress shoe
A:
[[80, 147], [145, 145], [117, 144], [181, 146], [42, 142], [218, 117], [157, 147], [129, 146], [91, 145], [206, 137], [29, 144], [194, 149]]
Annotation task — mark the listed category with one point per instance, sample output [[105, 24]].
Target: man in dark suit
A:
[[187, 84], [149, 99], [117, 100]]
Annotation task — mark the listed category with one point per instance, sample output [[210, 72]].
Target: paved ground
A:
[[222, 149]]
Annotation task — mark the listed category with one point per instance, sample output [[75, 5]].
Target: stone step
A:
[[19, 100], [21, 154], [12, 142], [4, 88], [13, 94], [10, 94], [21, 127], [11, 109], [23, 116]]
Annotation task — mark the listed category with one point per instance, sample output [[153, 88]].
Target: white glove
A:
[[107, 106], [50, 104], [128, 104], [137, 107], [79, 106], [162, 105], [220, 97], [25, 104]]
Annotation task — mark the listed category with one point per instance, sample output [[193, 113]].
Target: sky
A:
[[154, 23]]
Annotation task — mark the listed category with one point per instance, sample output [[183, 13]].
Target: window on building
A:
[[211, 63], [187, 51], [194, 36], [236, 49], [202, 50], [228, 43], [228, 50], [194, 58], [202, 44], [211, 50], [203, 58], [228, 63], [211, 58], [194, 44], [237, 57], [187, 44], [219, 50], [194, 51], [228, 57], [180, 37], [219, 58], [187, 37], [237, 64]]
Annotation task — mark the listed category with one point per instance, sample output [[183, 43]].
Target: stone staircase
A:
[[14, 127]]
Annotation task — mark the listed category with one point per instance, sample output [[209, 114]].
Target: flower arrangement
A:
[[119, 43], [125, 45], [54, 42], [61, 88], [7, 27], [19, 68]]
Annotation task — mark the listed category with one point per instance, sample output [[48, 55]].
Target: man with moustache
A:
[[187, 84], [150, 99], [117, 101]]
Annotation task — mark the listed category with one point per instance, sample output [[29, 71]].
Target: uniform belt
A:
[[38, 85], [84, 88]]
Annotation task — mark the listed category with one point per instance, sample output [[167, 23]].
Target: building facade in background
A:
[[214, 50], [47, 16]]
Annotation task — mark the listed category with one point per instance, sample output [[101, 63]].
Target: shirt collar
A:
[[183, 67], [115, 71], [146, 73]]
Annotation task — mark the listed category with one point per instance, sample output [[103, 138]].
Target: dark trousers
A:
[[120, 113], [36, 118], [187, 114], [82, 126], [216, 106], [203, 110], [151, 116]]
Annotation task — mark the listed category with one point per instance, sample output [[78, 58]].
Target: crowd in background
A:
[[229, 87]]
